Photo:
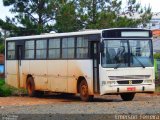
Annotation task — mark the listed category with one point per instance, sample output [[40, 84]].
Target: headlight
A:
[[111, 82], [148, 81]]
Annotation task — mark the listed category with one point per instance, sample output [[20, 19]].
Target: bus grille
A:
[[130, 82], [130, 77]]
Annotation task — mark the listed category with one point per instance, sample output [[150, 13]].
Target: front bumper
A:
[[124, 89]]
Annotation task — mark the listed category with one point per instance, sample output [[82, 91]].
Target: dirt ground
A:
[[60, 107], [51, 99]]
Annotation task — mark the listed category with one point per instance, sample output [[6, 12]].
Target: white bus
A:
[[115, 61]]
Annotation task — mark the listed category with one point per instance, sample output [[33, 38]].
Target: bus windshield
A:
[[127, 53]]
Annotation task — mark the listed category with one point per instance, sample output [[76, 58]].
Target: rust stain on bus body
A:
[[56, 76]]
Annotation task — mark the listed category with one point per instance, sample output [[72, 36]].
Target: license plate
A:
[[131, 89]]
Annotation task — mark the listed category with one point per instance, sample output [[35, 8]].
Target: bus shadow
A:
[[106, 100], [76, 98]]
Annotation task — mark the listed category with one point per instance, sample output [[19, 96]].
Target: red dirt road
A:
[[27, 101]]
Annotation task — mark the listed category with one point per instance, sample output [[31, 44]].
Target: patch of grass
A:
[[2, 82], [156, 76], [157, 88], [6, 90], [18, 92]]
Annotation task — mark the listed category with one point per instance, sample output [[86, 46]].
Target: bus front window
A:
[[115, 53], [127, 53], [140, 53]]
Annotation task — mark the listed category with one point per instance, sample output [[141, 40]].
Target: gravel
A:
[[142, 104]]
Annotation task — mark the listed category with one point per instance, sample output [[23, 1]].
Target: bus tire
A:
[[84, 94], [30, 87], [127, 96]]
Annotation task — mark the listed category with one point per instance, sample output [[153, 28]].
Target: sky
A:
[[155, 4]]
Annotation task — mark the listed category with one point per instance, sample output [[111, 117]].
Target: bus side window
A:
[[68, 46], [41, 49], [54, 48], [11, 51], [29, 49], [82, 47]]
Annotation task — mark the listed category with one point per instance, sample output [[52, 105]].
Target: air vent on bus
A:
[[129, 77], [130, 82]]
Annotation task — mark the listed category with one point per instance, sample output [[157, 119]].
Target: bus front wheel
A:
[[127, 96], [84, 94], [30, 87]]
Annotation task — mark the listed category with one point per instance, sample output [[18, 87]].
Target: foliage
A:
[[6, 90], [1, 44], [2, 82], [35, 16], [39, 16], [157, 56], [109, 13], [66, 19], [156, 75], [157, 88]]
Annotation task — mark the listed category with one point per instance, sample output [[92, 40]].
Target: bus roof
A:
[[52, 35]]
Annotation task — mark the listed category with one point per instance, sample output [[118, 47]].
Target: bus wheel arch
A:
[[80, 78], [30, 85], [82, 88], [29, 75]]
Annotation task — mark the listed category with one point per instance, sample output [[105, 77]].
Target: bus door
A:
[[19, 64], [96, 61]]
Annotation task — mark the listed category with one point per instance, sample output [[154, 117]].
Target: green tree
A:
[[157, 56], [1, 43], [35, 16], [13, 29], [67, 19], [109, 13], [39, 16]]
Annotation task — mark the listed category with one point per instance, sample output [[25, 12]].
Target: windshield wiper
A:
[[120, 52], [139, 61], [117, 66]]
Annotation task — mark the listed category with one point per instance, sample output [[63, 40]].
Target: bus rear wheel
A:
[[84, 94], [30, 87], [127, 96]]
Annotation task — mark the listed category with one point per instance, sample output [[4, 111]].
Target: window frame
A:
[[87, 47], [44, 39], [47, 47], [11, 50], [151, 51], [54, 48], [128, 39], [74, 47], [29, 49]]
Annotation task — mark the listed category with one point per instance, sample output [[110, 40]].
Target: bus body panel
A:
[[109, 78], [78, 68], [52, 75], [39, 70], [57, 75], [25, 67], [12, 73]]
